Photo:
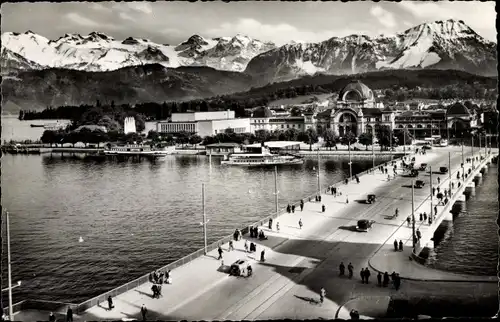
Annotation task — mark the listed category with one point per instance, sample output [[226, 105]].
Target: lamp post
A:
[[404, 140], [479, 136], [205, 221], [319, 183], [472, 149], [430, 186], [350, 162], [463, 160], [9, 267], [449, 172], [390, 140], [373, 151], [413, 213], [276, 201]]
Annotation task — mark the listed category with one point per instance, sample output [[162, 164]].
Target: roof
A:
[[325, 114], [457, 108], [361, 92], [274, 144], [223, 145], [262, 111], [91, 128], [371, 111]]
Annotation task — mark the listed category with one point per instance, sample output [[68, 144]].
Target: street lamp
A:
[[276, 192], [319, 183], [205, 221]]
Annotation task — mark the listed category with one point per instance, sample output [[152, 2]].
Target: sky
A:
[[279, 22]]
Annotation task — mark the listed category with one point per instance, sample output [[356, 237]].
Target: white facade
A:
[[129, 126], [202, 116], [206, 127]]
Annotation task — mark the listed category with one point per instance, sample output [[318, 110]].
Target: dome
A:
[[355, 91], [457, 108], [261, 112]]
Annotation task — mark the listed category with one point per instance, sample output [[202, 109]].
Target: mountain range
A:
[[75, 68]]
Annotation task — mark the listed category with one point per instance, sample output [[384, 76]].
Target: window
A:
[[282, 126]]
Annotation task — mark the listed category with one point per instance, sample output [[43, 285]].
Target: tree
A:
[[140, 123], [110, 124], [153, 135], [208, 140], [309, 136], [195, 139], [182, 138], [98, 136], [366, 139], [262, 135], [73, 138], [329, 138], [403, 136], [384, 136], [48, 137], [291, 134], [295, 111], [348, 138]]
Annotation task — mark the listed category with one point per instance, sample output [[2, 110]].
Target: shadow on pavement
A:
[[307, 299], [349, 228], [406, 186], [362, 201]]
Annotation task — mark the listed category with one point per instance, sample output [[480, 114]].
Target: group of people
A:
[[256, 233], [383, 280], [398, 246], [160, 277], [350, 269], [334, 191]]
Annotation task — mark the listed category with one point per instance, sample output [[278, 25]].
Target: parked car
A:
[[413, 173], [419, 184], [443, 169], [423, 167], [238, 268]]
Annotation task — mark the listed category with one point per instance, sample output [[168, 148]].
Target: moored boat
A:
[[138, 149], [37, 125], [264, 158]]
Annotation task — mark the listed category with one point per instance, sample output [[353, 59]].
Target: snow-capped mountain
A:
[[100, 52], [449, 44]]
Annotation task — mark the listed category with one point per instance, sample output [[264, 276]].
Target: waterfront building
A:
[[204, 123], [223, 148], [91, 128]]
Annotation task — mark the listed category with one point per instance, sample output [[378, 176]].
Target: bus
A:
[[436, 140]]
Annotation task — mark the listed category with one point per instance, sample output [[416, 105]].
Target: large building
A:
[[357, 111], [204, 123]]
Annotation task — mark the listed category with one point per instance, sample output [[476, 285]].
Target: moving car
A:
[[413, 173], [419, 184], [443, 169], [371, 198], [364, 225], [423, 167], [238, 268]]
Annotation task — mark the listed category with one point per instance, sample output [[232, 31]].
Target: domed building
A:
[[355, 112]]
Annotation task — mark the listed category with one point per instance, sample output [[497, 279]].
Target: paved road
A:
[[287, 284]]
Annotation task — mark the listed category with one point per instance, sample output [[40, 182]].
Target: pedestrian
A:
[[346, 199], [430, 220], [346, 181], [397, 282], [293, 208], [110, 303], [386, 280], [435, 210], [288, 208], [395, 245], [270, 224], [425, 216], [301, 205], [220, 253], [408, 220], [379, 279], [231, 246], [362, 274], [367, 274], [357, 179], [433, 191], [350, 268], [262, 256], [246, 246], [439, 181], [400, 245], [69, 315], [421, 216], [319, 198], [322, 295], [393, 276], [419, 234], [388, 177], [452, 185], [341, 269], [144, 311], [323, 208], [52, 317], [300, 223], [278, 226]]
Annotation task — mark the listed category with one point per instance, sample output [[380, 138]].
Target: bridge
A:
[[302, 260]]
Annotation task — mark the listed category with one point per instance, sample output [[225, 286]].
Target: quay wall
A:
[[79, 308], [445, 213]]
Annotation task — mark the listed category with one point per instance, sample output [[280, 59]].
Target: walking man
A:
[[246, 246], [439, 180], [262, 254], [420, 216], [220, 253], [408, 220], [293, 208], [322, 295], [379, 279], [144, 311], [401, 245], [433, 191], [300, 223], [362, 274], [341, 269], [350, 268], [395, 245], [278, 226], [69, 315], [301, 205], [231, 246], [367, 274], [110, 303], [323, 208], [397, 282]]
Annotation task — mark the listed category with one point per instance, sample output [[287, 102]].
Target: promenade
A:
[[299, 261]]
